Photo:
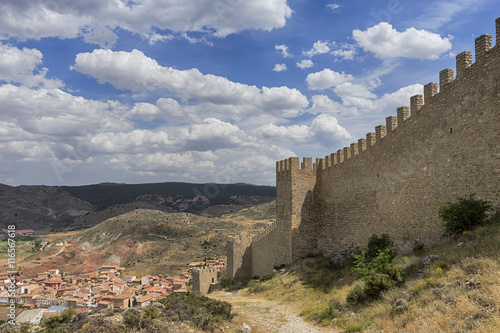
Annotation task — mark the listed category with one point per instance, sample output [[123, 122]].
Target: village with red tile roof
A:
[[105, 288]]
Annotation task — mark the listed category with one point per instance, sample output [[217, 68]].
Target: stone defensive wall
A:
[[445, 145], [251, 255], [263, 251], [239, 257]]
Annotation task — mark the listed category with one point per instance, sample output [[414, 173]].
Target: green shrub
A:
[[226, 282], [382, 263], [218, 308], [132, 318], [327, 315], [68, 315], [380, 274], [205, 313], [376, 283], [150, 312], [52, 322], [377, 244], [464, 215], [351, 327], [356, 296], [321, 314]]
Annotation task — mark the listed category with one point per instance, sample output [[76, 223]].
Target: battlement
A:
[[265, 233], [239, 238], [418, 105], [393, 180], [204, 271], [293, 163], [204, 280]]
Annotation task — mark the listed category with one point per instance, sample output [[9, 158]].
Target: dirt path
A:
[[265, 316]]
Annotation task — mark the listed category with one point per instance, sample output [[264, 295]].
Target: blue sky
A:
[[210, 90]]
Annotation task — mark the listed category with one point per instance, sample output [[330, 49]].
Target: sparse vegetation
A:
[[50, 324], [226, 282], [457, 291], [205, 313], [465, 214], [175, 313], [418, 248], [377, 268], [377, 244], [24, 247]]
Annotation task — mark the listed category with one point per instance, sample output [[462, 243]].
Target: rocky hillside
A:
[[40, 207], [66, 208], [146, 240]]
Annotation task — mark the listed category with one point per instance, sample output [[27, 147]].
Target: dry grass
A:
[[459, 292], [447, 302]]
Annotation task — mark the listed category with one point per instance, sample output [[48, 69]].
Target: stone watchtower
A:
[[294, 184], [203, 280]]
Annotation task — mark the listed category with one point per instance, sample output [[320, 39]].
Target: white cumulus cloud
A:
[[306, 63], [69, 133], [145, 111], [58, 129], [324, 130], [135, 71], [23, 66], [386, 42], [345, 52], [326, 79], [58, 113], [170, 107], [17, 65], [322, 104], [283, 49], [319, 47], [211, 134], [133, 142], [357, 99], [97, 21], [209, 151], [280, 67]]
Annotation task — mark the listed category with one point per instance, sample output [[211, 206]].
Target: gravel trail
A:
[[264, 316]]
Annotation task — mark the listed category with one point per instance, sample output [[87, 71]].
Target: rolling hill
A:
[[146, 240], [65, 208]]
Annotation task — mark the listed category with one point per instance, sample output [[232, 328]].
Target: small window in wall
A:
[[212, 280], [451, 131]]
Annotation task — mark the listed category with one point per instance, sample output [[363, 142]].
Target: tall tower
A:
[[293, 182]]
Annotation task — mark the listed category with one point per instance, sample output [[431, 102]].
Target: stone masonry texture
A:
[[394, 182], [203, 278]]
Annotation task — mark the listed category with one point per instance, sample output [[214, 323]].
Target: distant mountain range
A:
[[61, 208]]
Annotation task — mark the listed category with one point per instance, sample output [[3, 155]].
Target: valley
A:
[[143, 241]]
